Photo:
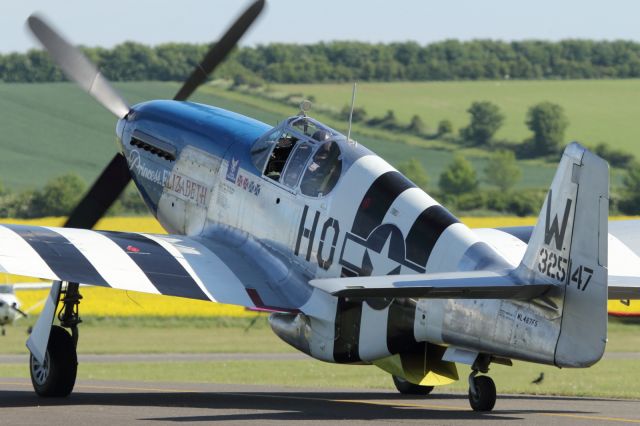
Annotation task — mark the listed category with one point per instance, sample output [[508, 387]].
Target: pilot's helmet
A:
[[324, 151], [321, 135]]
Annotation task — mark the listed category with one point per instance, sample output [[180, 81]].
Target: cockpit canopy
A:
[[300, 153]]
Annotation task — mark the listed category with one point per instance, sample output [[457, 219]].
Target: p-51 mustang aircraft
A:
[[356, 264]]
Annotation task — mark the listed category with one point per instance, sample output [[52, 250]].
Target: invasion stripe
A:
[[354, 185], [109, 260], [377, 200], [18, 257], [66, 261], [162, 269], [425, 232], [373, 344], [450, 247], [347, 331], [185, 264], [400, 335], [371, 211], [407, 207]]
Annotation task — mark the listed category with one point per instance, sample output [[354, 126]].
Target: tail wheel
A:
[[484, 396], [56, 376], [407, 388]]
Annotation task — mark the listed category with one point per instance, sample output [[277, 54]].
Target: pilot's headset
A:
[[321, 135]]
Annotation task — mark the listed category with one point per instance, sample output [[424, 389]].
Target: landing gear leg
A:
[[53, 374], [69, 315], [482, 389]]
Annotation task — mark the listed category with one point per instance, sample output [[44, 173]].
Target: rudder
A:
[[568, 247]]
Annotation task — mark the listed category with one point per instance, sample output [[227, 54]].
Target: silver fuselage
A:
[[360, 228]]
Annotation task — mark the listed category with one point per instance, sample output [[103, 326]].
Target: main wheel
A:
[[56, 376], [485, 396], [407, 388]]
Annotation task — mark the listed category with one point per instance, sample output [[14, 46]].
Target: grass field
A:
[[610, 377], [396, 148], [51, 129], [598, 110], [124, 335], [184, 334]]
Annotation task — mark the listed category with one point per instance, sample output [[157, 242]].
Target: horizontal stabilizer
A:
[[623, 256], [450, 285], [624, 288]]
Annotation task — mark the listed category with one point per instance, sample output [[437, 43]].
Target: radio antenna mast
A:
[[353, 101]]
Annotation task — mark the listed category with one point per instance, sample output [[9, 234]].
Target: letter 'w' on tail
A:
[[551, 228], [568, 247]]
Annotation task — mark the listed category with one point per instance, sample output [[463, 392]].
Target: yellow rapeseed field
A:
[[494, 222], [110, 302]]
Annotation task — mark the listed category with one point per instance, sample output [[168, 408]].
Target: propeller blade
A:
[[18, 310], [77, 67], [102, 195], [219, 51]]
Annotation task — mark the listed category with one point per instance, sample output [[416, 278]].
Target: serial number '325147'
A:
[[555, 266]]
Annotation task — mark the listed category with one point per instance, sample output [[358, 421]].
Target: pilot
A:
[[321, 173], [322, 156]]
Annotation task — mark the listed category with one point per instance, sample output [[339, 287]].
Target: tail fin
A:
[[568, 247]]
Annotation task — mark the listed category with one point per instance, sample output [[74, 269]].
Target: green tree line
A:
[[58, 197], [458, 187], [348, 61]]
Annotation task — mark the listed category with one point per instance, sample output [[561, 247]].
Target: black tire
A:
[[57, 375], [485, 397], [408, 388]]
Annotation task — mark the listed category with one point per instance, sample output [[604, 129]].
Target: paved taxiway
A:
[[111, 403]]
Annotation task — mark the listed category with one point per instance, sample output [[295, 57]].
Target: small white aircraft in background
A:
[[9, 307]]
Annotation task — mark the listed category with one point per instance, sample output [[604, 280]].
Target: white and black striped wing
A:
[[241, 274]]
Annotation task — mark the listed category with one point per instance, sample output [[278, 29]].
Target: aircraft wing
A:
[[624, 288], [227, 267], [624, 256], [450, 285]]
